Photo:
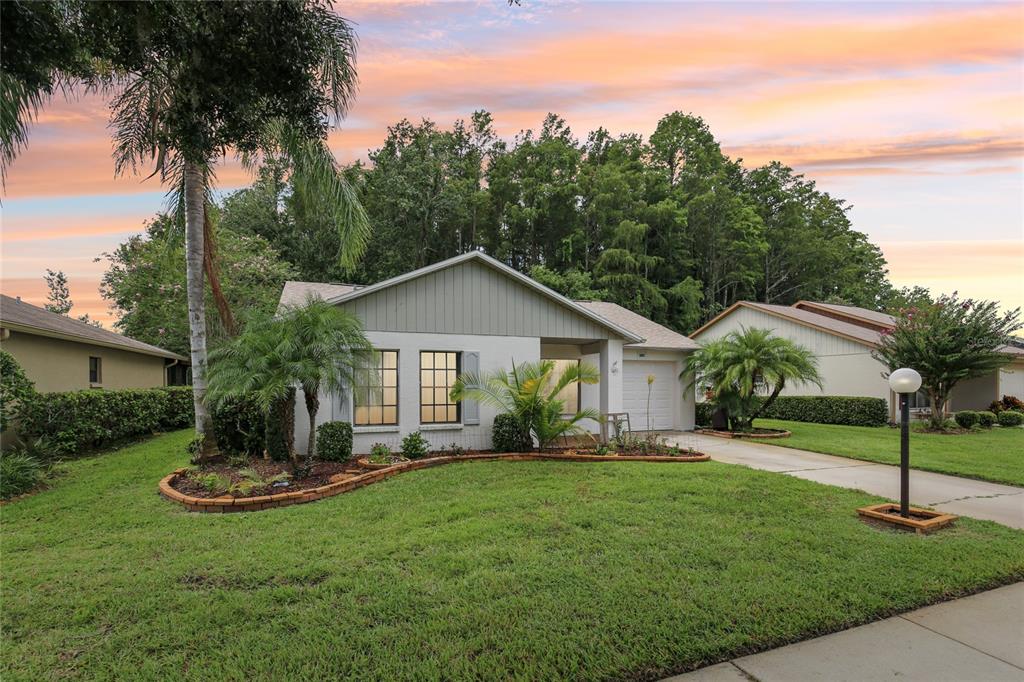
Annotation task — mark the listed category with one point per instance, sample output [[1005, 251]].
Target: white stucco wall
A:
[[1011, 380], [496, 352], [846, 366]]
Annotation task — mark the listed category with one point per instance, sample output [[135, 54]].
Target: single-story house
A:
[[60, 353], [474, 313], [842, 337]]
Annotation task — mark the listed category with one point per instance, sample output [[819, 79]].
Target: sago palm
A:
[[746, 363], [530, 392], [315, 347]]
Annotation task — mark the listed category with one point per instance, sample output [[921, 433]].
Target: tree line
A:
[[668, 226]]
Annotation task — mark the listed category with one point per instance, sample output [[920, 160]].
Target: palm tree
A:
[[316, 346], [182, 103], [529, 391], [746, 363]]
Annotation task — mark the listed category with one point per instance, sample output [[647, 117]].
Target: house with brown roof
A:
[[843, 337], [474, 313], [59, 353]]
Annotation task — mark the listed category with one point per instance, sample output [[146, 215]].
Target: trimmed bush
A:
[[1011, 418], [987, 419], [334, 441], [509, 435], [79, 421], [966, 418], [280, 431], [240, 426], [19, 473], [703, 413], [15, 389], [415, 446], [830, 409]]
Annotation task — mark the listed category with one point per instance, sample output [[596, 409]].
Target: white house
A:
[[473, 313], [842, 338]]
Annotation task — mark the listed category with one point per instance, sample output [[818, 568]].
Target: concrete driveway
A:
[[963, 496]]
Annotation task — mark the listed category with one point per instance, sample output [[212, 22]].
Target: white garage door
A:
[[634, 393]]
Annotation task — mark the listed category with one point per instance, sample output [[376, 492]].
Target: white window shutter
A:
[[470, 408]]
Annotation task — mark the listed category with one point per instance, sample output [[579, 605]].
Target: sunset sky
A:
[[913, 113]]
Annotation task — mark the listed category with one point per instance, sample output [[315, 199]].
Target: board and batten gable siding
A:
[[471, 298], [846, 366]]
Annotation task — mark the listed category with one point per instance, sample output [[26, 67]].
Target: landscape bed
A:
[[549, 569], [327, 479]]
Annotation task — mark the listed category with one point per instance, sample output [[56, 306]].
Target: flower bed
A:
[[756, 433], [344, 482]]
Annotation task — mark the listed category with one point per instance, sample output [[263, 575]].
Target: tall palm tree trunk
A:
[[194, 262]]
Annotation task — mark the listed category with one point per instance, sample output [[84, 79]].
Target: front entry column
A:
[[611, 379]]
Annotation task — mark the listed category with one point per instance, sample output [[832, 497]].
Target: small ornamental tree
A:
[[947, 342], [15, 389], [740, 367]]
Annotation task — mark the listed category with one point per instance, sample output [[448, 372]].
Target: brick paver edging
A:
[[239, 504]]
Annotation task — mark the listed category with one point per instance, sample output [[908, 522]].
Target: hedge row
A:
[[79, 421], [819, 409]]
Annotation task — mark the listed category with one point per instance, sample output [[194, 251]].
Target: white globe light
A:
[[905, 380]]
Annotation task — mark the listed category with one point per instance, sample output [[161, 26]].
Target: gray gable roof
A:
[[358, 292], [296, 293], [33, 319], [656, 336]]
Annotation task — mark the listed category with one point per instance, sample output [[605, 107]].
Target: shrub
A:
[[415, 446], [334, 441], [19, 473], [1011, 418], [15, 389], [379, 451], [79, 421], [830, 409], [509, 435], [280, 431], [986, 419], [1007, 402], [240, 426], [966, 418], [705, 410]]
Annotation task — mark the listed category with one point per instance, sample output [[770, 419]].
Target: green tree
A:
[[200, 78], [15, 389], [530, 392], [739, 368], [315, 346], [58, 296], [947, 342], [145, 281]]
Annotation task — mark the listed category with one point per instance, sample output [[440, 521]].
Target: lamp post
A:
[[903, 382]]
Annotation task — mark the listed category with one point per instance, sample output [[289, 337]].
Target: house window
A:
[[570, 395], [375, 390], [438, 372], [95, 370]]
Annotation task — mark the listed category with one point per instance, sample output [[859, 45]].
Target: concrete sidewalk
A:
[[975, 638], [963, 496]]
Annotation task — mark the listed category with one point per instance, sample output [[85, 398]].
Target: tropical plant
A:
[[19, 473], [315, 346], [530, 392], [948, 341], [742, 366], [260, 78]]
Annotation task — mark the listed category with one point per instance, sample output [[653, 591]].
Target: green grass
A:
[[995, 454], [499, 570]]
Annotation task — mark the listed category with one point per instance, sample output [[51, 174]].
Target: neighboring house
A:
[[842, 338], [473, 313], [60, 353]]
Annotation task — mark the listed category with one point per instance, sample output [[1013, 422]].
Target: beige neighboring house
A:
[[473, 313], [60, 353], [842, 338]]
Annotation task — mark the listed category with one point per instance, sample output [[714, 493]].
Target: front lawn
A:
[[995, 454], [532, 570]]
